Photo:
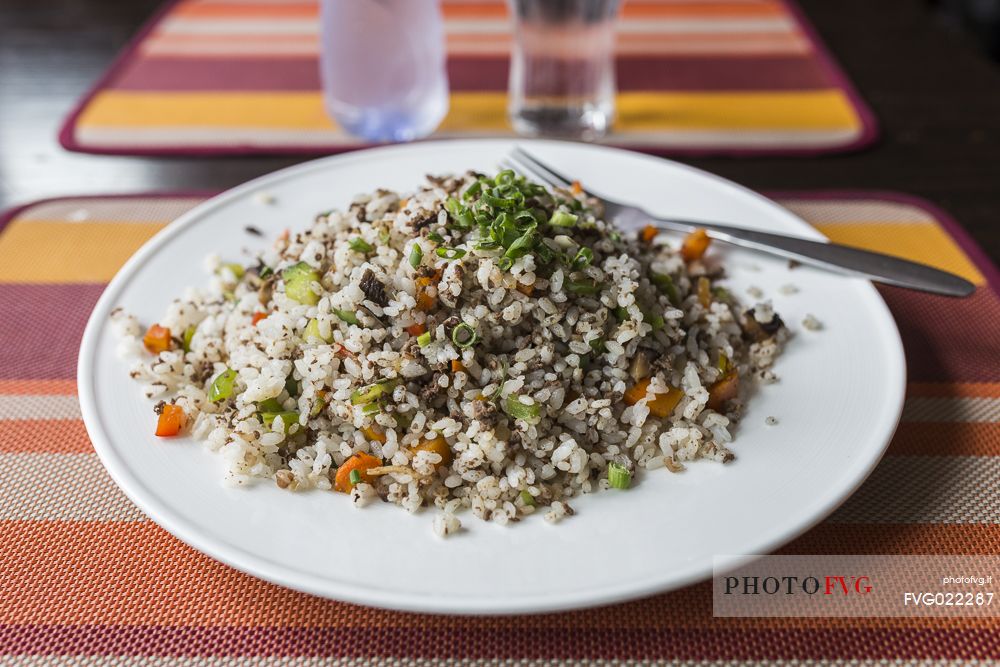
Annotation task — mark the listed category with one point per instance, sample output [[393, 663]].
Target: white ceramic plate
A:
[[837, 404]]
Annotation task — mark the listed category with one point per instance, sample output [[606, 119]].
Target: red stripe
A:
[[946, 339], [449, 642], [41, 329], [476, 74]]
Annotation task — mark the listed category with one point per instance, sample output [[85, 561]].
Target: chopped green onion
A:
[[562, 219], [298, 283], [437, 238], [486, 244], [505, 263], [527, 498], [615, 236], [584, 287], [459, 213], [584, 257], [312, 331], [348, 316], [384, 236], [416, 255], [657, 322], [288, 418], [371, 408], [522, 245], [503, 378], [597, 345], [317, 407], [464, 335], [266, 272], [222, 386], [355, 476], [270, 405], [358, 244], [472, 190], [188, 336], [372, 392], [424, 339], [720, 293], [237, 270], [451, 253], [666, 285], [518, 410], [291, 386], [621, 314], [618, 476]]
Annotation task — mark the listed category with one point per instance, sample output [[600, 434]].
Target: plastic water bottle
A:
[[382, 63]]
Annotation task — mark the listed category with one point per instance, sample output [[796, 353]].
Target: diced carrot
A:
[[257, 317], [458, 366], [342, 352], [374, 432], [416, 329], [636, 392], [661, 405], [704, 292], [157, 339], [724, 389], [437, 445], [171, 420], [695, 245], [648, 233], [576, 188], [425, 301], [526, 290], [360, 462]]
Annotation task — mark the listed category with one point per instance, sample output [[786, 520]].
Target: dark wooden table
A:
[[938, 102]]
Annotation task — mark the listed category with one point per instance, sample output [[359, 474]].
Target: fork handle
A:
[[845, 259]]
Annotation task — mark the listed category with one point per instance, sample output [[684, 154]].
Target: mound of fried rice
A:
[[526, 353]]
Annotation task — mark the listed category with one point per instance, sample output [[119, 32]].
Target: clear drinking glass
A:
[[562, 70], [382, 64]]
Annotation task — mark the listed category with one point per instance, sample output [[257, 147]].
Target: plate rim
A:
[[264, 568]]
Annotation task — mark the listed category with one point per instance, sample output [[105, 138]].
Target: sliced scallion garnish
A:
[[584, 256], [434, 236], [222, 386], [348, 316], [618, 476], [372, 392], [464, 336], [518, 410], [416, 255], [424, 339], [527, 498], [355, 477], [562, 219], [451, 253], [358, 244], [587, 287]]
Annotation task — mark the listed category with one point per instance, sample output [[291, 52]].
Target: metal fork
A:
[[843, 259]]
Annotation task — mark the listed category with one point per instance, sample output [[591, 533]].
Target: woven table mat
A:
[[694, 77], [88, 579]]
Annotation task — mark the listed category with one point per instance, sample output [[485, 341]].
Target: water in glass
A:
[[562, 76], [382, 65]]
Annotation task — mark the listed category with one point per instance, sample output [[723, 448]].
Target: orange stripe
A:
[[60, 387], [248, 10], [946, 439], [137, 574], [715, 10], [38, 436], [954, 390]]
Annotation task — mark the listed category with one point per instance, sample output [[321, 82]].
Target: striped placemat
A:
[[695, 76], [88, 579]]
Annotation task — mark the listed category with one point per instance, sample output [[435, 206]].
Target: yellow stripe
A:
[[60, 252], [920, 242], [808, 110]]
